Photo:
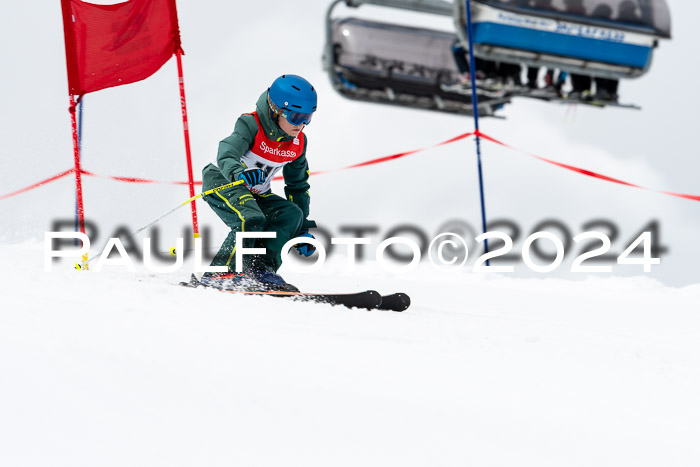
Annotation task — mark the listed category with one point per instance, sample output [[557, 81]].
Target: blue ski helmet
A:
[[292, 97]]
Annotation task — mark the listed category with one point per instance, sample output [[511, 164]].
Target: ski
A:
[[395, 302], [368, 299]]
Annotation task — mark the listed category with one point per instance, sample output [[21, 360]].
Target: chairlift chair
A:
[[598, 39], [606, 38], [400, 65], [415, 67]]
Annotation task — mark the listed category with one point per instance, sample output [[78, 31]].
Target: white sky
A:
[[235, 49]]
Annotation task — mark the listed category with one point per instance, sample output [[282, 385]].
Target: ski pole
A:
[[184, 203]]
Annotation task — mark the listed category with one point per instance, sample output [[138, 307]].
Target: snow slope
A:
[[121, 369], [115, 368]]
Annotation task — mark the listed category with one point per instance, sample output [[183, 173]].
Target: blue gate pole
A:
[[80, 152], [475, 103]]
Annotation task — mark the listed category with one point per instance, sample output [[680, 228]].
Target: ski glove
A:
[[252, 177], [305, 249]]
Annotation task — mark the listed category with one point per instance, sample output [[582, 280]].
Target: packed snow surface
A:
[[128, 369]]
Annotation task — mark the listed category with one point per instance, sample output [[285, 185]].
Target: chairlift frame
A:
[[504, 54], [457, 101]]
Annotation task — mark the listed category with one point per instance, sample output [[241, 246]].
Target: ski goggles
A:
[[296, 118]]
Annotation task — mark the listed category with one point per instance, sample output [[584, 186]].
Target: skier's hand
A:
[[252, 177], [305, 249]]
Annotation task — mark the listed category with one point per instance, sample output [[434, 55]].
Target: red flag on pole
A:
[[111, 45]]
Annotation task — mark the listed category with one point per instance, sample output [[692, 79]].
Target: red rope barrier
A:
[[588, 173], [136, 179], [36, 185], [379, 160]]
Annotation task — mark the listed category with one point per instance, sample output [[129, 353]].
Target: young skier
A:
[[263, 143]]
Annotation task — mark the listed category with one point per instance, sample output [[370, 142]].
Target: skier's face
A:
[[291, 130]]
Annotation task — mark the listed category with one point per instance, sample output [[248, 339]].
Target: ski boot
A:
[[270, 281], [226, 280]]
